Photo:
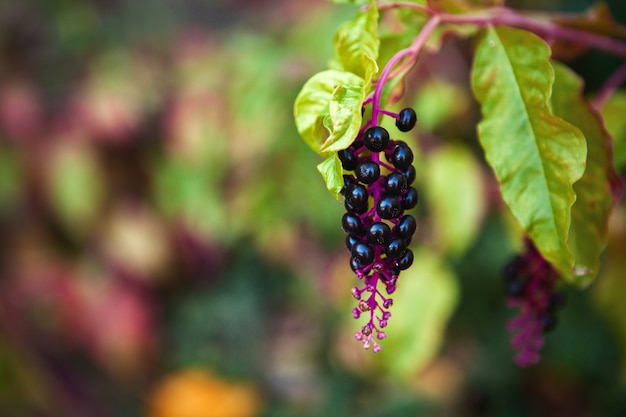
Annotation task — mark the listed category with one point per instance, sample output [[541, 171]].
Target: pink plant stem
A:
[[412, 51], [546, 29], [609, 87]]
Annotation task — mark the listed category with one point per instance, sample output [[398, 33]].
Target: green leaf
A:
[[536, 156], [327, 110], [427, 294], [332, 172], [455, 196], [356, 44], [594, 199], [615, 122]]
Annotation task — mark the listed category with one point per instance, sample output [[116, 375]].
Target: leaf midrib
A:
[[538, 153]]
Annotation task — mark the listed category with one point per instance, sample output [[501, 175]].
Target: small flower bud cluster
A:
[[377, 193], [530, 286]]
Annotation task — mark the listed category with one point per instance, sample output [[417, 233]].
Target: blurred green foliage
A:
[[159, 212]]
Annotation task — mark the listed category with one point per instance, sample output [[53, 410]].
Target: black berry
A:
[[515, 286], [410, 199], [395, 183], [409, 174], [355, 209], [405, 227], [513, 268], [378, 233], [402, 156], [556, 301], [406, 119], [351, 240], [389, 207], [548, 322], [357, 196], [351, 223], [363, 253], [367, 172], [376, 138], [395, 248], [354, 264], [405, 261], [348, 159]]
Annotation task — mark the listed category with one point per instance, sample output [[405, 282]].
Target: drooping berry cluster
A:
[[377, 193], [530, 285]]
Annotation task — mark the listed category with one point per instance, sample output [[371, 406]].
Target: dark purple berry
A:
[[395, 183], [406, 260], [389, 207], [348, 181], [376, 138], [409, 174], [367, 172], [410, 199], [357, 195], [406, 119], [556, 301], [393, 271], [351, 240], [395, 248], [348, 159], [405, 227], [354, 264], [352, 209], [515, 286], [548, 322], [513, 268], [402, 156], [378, 233], [351, 223], [363, 253]]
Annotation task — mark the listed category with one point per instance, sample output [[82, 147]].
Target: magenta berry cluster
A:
[[377, 191], [531, 286]]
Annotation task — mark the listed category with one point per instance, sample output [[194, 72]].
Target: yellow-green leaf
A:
[[332, 172], [327, 110], [594, 199], [536, 156], [356, 43]]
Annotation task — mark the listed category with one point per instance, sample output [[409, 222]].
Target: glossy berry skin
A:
[[402, 156], [348, 159], [410, 199], [376, 138], [395, 248], [354, 264], [351, 240], [389, 207], [405, 227], [367, 172], [378, 233], [406, 119], [363, 253], [352, 209], [409, 174], [357, 196], [405, 261], [395, 183], [351, 223]]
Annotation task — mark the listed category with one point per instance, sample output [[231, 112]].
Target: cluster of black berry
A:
[[530, 285], [378, 230]]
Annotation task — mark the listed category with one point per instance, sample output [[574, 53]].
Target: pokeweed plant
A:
[[545, 142]]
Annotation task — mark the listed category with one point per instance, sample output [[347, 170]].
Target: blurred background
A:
[[168, 249]]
